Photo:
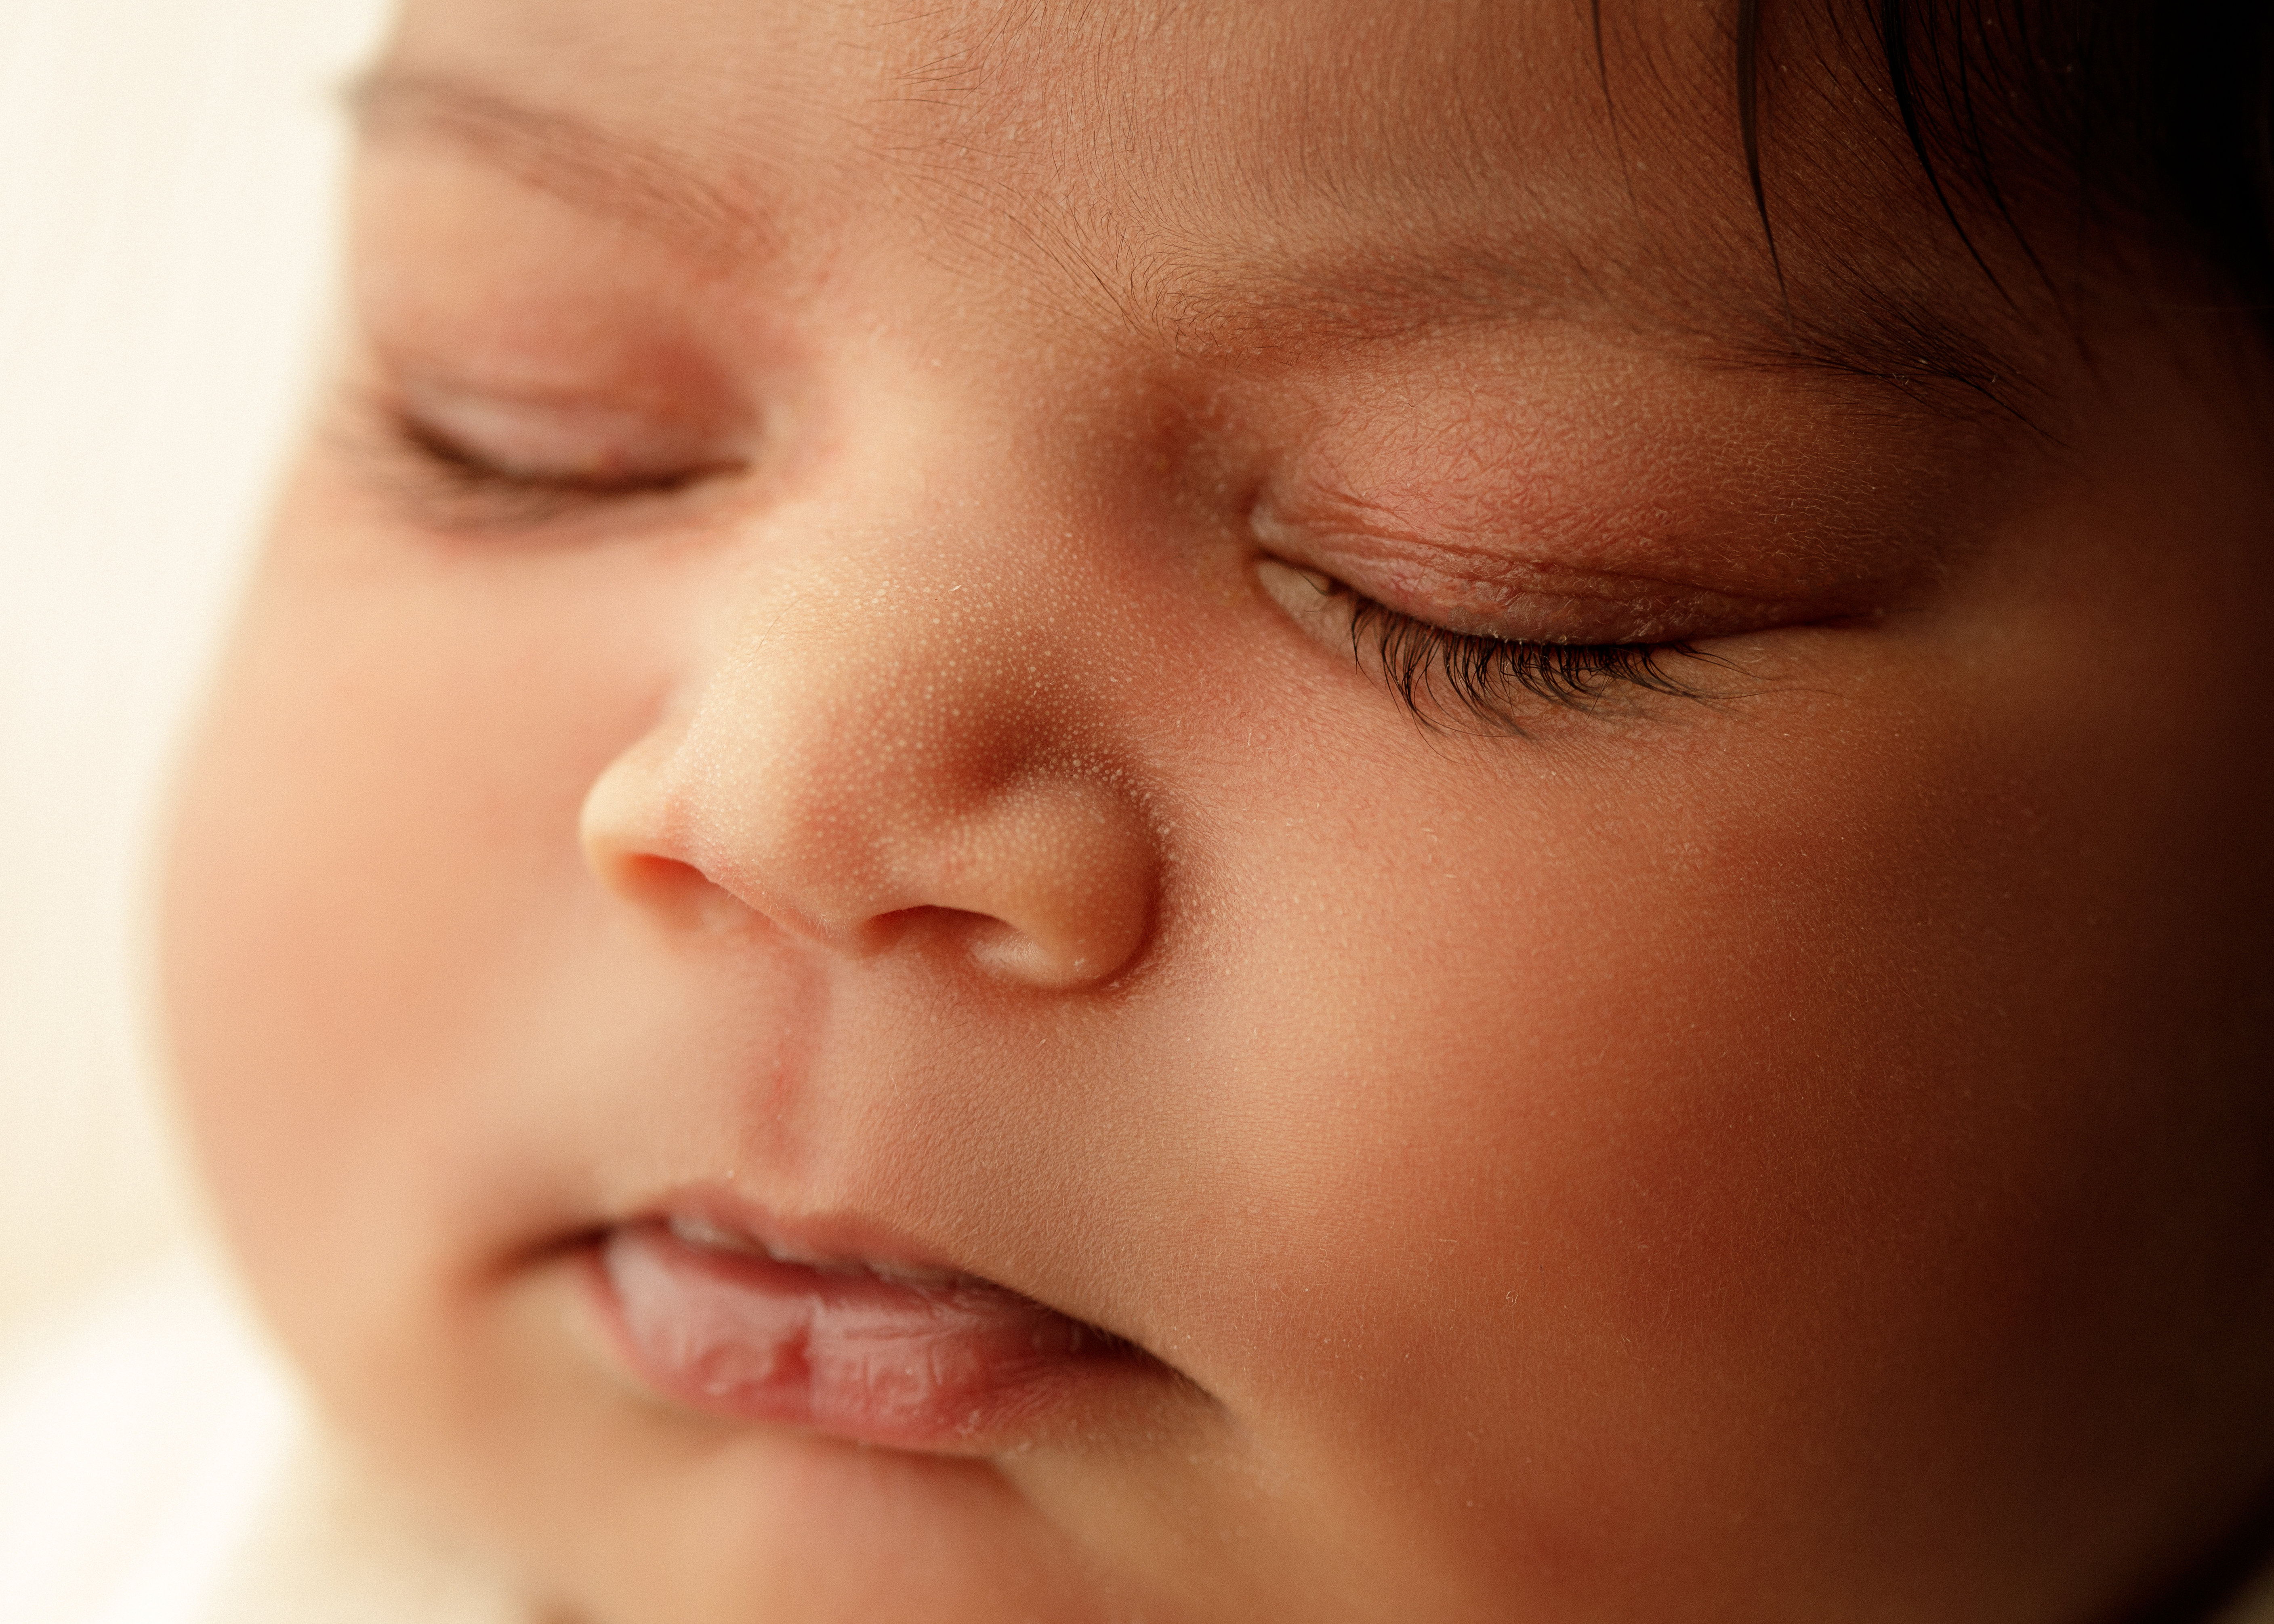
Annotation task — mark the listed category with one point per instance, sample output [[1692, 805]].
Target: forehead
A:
[[1227, 175], [1162, 104]]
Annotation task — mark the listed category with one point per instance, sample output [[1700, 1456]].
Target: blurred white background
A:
[[166, 177]]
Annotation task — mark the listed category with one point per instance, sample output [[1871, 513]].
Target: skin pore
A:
[[783, 674]]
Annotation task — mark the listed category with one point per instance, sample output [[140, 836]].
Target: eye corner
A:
[[1300, 590]]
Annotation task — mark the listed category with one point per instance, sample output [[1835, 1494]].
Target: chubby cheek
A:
[[1745, 1115], [368, 882]]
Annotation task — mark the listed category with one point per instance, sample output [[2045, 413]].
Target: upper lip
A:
[[701, 1230], [830, 1243]]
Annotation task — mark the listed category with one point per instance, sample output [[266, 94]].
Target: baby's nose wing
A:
[[878, 769]]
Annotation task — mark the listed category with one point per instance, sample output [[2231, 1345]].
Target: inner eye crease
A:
[[1487, 588], [1573, 584]]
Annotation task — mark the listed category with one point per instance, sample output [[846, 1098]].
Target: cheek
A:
[[373, 858], [1755, 1111]]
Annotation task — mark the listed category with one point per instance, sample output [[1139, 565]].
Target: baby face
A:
[[1169, 812]]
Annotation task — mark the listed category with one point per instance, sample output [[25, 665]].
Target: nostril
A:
[[1014, 955], [1002, 948], [1055, 954], [674, 890], [950, 932], [1060, 877], [1004, 951], [1036, 872]]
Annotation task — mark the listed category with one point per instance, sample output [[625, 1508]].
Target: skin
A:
[[1801, 1152]]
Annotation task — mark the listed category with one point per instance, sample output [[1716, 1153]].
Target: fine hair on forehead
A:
[[2035, 147], [2138, 119]]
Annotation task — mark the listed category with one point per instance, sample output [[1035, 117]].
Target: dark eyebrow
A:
[[659, 191]]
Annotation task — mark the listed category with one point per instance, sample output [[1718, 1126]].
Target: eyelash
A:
[[1436, 673]]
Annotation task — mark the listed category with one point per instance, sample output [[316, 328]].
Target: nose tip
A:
[[955, 827]]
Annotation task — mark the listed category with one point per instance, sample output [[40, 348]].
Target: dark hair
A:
[[2152, 115]]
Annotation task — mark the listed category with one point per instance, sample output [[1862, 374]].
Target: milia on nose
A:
[[799, 782]]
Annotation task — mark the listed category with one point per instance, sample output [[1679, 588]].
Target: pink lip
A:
[[911, 1357]]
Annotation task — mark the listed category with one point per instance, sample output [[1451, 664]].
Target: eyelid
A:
[[1444, 678], [1477, 590], [563, 442]]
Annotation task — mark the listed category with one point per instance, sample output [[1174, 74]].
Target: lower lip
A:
[[961, 1367]]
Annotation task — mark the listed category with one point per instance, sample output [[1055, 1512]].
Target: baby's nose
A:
[[896, 752]]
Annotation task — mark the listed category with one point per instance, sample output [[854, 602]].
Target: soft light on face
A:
[[814, 989]]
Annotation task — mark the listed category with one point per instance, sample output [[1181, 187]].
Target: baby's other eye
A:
[[499, 459], [1447, 677]]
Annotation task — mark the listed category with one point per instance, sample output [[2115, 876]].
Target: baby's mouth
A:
[[875, 1349]]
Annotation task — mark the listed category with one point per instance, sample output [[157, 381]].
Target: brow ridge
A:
[[646, 186], [1200, 311]]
